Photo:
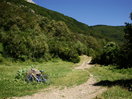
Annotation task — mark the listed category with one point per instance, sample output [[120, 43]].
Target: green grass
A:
[[60, 73], [63, 74], [109, 73], [117, 81], [72, 78], [117, 92]]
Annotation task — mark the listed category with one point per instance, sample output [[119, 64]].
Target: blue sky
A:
[[92, 12]]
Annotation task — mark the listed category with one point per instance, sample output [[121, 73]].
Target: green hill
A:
[[111, 33], [73, 24], [28, 31]]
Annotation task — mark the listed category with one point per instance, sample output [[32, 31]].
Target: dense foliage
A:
[[28, 31], [112, 54], [126, 53], [111, 33], [108, 55], [28, 35]]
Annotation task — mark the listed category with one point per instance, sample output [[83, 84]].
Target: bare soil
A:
[[86, 63]]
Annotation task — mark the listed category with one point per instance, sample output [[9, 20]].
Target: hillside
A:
[[73, 24], [28, 31], [111, 33]]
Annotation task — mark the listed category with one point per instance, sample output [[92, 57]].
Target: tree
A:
[[108, 55], [128, 43]]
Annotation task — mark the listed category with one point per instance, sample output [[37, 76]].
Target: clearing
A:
[[83, 91]]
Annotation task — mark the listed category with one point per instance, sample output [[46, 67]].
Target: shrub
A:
[[108, 55], [1, 59], [64, 50], [23, 47], [81, 48], [21, 74], [74, 58]]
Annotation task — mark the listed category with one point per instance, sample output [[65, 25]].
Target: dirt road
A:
[[83, 91], [86, 63]]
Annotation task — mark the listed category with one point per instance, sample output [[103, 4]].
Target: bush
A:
[[69, 54], [63, 50], [81, 48], [1, 59], [74, 58], [109, 54], [23, 47], [21, 74]]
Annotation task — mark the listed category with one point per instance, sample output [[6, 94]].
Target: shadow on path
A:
[[124, 83]]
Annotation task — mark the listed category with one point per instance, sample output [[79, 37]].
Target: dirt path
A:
[[86, 64], [83, 91]]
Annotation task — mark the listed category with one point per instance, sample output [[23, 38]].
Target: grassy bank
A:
[[60, 73], [118, 81]]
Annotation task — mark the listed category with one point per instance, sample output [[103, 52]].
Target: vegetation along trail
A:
[[83, 91]]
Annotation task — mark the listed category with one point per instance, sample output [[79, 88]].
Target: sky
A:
[[92, 12]]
